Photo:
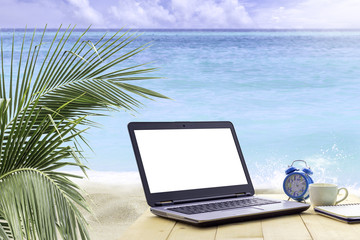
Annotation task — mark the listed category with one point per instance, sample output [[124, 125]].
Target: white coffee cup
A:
[[325, 194]]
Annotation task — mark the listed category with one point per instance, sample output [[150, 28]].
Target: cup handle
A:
[[343, 198]]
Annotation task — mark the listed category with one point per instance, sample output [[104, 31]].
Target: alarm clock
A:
[[296, 183]]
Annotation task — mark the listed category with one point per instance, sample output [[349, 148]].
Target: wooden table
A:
[[304, 226]]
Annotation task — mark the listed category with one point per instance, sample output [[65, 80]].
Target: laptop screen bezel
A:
[[183, 195]]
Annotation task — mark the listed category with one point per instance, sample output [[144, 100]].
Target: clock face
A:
[[295, 185]]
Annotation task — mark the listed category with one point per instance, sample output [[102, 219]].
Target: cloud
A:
[[297, 14], [145, 14], [37, 13], [85, 12], [310, 14], [181, 14]]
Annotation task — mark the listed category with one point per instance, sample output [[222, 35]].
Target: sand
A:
[[116, 199], [115, 208]]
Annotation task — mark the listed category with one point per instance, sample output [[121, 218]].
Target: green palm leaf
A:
[[37, 205], [45, 98]]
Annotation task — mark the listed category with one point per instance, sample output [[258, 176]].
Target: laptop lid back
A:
[[187, 161]]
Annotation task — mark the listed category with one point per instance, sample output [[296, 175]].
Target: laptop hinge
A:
[[243, 194], [164, 203], [171, 202]]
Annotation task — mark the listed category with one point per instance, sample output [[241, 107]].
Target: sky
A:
[[182, 14]]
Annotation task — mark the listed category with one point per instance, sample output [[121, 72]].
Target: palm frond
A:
[[5, 231], [37, 205], [49, 91]]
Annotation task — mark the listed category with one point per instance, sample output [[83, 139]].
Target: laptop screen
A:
[[186, 159]]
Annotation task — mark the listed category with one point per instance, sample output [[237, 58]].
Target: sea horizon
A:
[[95, 29]]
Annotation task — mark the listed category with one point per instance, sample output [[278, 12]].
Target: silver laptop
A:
[[195, 172]]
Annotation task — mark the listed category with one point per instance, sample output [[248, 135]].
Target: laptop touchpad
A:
[[245, 211]]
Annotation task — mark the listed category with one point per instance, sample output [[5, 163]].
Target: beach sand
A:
[[116, 200], [115, 208]]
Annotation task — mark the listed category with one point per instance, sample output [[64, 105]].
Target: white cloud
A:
[[211, 14], [181, 14], [37, 13], [145, 14], [311, 14], [85, 12]]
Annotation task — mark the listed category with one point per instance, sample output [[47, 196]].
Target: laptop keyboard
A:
[[219, 206]]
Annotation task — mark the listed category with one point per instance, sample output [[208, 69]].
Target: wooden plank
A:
[[286, 227], [307, 225], [323, 228], [251, 230], [149, 226], [289, 227], [183, 231]]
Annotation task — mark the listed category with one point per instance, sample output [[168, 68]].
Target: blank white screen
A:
[[184, 159]]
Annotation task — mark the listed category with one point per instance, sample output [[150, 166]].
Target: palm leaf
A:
[[5, 231], [36, 206], [57, 84]]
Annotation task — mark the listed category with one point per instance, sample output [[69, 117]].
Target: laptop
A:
[[195, 172]]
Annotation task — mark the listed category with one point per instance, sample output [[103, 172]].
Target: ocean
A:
[[290, 94]]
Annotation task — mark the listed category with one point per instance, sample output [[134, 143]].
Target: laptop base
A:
[[229, 216]]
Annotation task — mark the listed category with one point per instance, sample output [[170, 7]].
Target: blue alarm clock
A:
[[296, 183]]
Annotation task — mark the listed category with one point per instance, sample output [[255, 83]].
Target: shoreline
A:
[[107, 177]]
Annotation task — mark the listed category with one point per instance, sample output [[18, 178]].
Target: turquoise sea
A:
[[290, 94]]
